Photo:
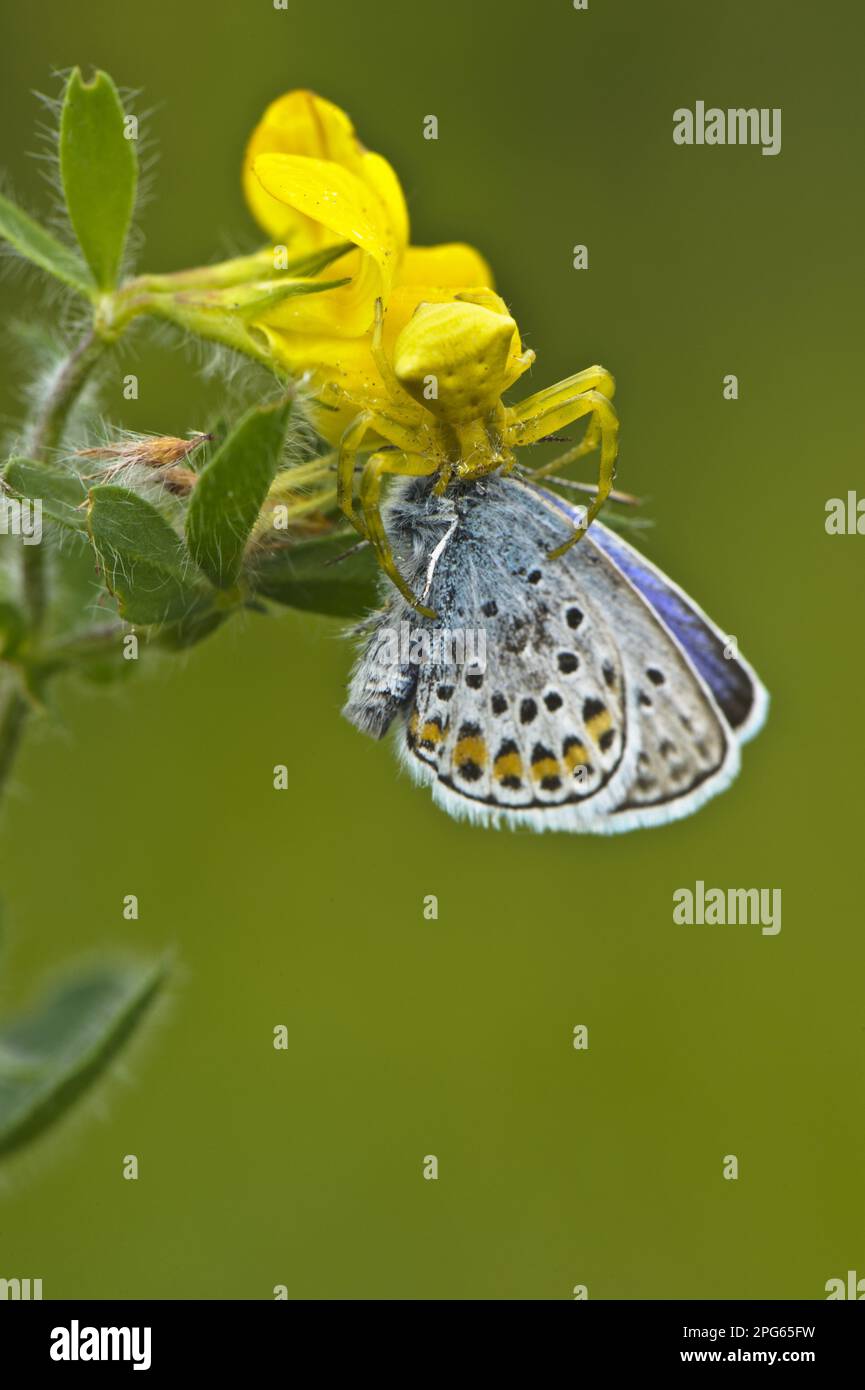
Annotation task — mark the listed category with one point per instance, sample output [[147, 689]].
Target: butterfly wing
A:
[[541, 727], [591, 714], [736, 687]]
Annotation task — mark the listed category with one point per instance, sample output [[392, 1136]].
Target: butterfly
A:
[[595, 696]]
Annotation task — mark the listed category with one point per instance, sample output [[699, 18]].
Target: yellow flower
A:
[[311, 184], [304, 126]]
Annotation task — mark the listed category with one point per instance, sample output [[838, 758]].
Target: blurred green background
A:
[[454, 1037]]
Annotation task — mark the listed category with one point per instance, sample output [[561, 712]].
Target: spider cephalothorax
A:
[[442, 413]]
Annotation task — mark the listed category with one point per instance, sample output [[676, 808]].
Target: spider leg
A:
[[589, 442], [381, 359], [404, 465], [406, 439], [349, 445], [537, 406], [560, 406], [332, 396]]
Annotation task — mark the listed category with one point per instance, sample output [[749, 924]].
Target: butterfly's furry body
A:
[[607, 702]]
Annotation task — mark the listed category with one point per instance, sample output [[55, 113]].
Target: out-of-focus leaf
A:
[[231, 490], [312, 576], [95, 653], [51, 1055], [105, 670], [145, 564], [99, 167], [60, 492], [191, 629], [39, 246]]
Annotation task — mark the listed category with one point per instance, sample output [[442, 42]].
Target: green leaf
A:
[[231, 490], [145, 564], [51, 1055], [218, 430], [94, 653], [76, 590], [39, 246], [312, 576], [60, 492], [103, 670], [192, 629], [99, 167]]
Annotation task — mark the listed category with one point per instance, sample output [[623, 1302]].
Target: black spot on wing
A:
[[528, 711]]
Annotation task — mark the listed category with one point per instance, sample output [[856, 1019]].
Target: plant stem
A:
[[65, 390], [228, 329], [13, 718], [45, 435]]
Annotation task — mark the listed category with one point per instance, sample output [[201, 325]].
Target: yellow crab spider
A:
[[441, 413]]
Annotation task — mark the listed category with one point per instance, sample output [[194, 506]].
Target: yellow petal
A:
[[347, 209], [451, 264], [333, 197], [381, 177], [346, 312], [304, 124], [301, 122]]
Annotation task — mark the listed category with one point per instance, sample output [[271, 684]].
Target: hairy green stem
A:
[[45, 436], [134, 300], [13, 717], [64, 392]]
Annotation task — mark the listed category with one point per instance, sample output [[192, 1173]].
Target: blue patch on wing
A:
[[727, 679]]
